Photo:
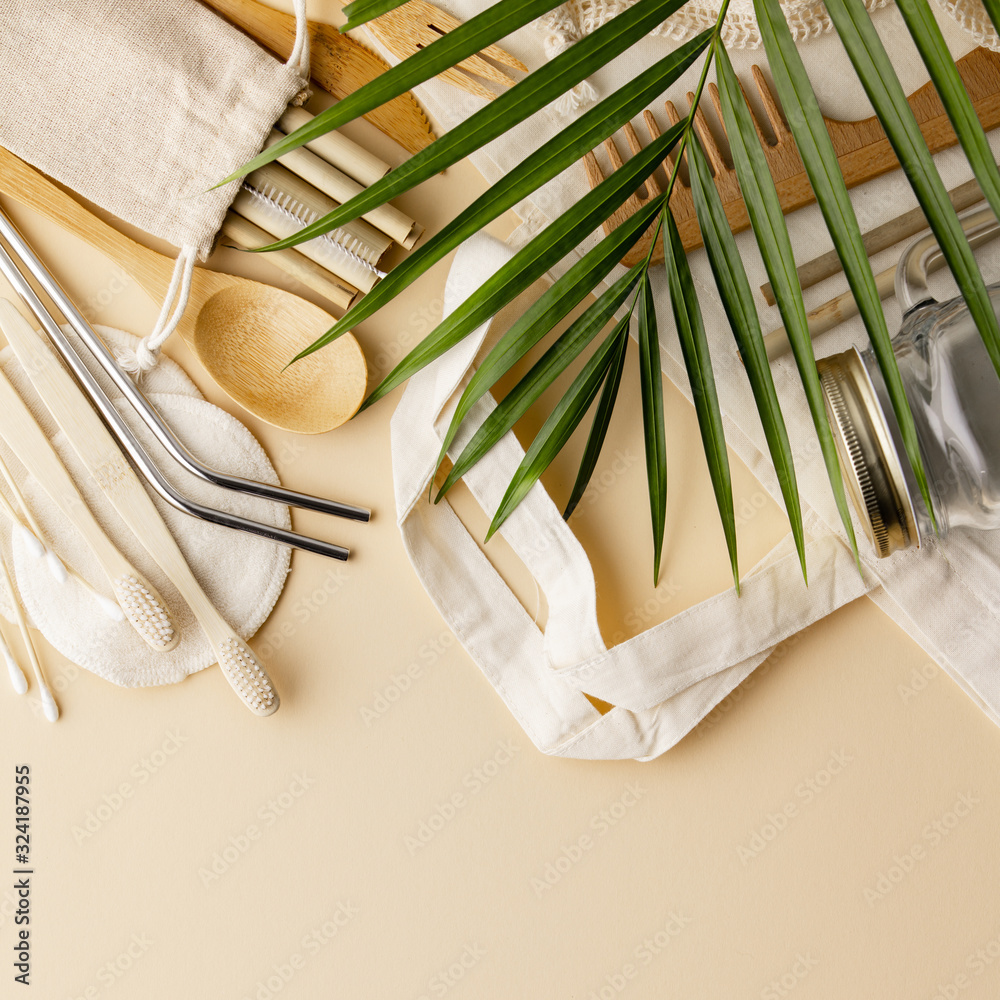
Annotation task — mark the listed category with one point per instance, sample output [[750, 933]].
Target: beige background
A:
[[826, 832]]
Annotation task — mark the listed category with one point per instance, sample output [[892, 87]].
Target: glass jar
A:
[[954, 393]]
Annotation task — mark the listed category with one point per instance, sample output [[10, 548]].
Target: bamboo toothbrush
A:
[[136, 596], [102, 456], [17, 677]]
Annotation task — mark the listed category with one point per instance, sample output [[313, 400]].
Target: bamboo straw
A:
[[341, 188], [366, 168]]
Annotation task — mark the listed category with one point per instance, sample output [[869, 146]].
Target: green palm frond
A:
[[631, 297]]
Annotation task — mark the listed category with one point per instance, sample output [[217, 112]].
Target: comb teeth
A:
[[247, 676], [144, 608], [337, 241]]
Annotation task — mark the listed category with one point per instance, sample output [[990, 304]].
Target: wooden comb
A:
[[862, 148]]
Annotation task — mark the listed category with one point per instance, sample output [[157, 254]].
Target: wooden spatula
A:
[[863, 152], [340, 65], [416, 24]]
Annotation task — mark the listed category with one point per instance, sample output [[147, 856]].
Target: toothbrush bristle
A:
[[145, 611], [247, 676]]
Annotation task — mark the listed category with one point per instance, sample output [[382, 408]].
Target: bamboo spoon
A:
[[136, 596], [244, 332], [103, 458]]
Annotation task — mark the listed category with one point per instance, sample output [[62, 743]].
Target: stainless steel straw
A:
[[135, 396], [123, 432]]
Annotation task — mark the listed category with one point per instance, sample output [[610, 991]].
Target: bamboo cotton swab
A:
[[31, 532], [49, 705], [34, 539]]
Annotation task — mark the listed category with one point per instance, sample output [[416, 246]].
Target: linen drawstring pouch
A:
[[141, 108]]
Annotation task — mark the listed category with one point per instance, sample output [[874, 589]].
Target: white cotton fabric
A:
[[664, 681], [140, 107], [242, 574]]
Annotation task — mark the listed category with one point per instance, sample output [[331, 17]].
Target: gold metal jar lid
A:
[[868, 457]]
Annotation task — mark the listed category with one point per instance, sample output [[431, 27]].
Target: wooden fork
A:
[[862, 149], [416, 24]]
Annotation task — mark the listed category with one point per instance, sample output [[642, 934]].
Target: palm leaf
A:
[[361, 11], [599, 427], [694, 350], [539, 167], [551, 306], [934, 52], [737, 299], [820, 161], [769, 229], [871, 63], [543, 373], [512, 106], [654, 433], [536, 169], [561, 423], [530, 262]]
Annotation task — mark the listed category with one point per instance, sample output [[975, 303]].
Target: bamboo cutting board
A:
[[863, 152]]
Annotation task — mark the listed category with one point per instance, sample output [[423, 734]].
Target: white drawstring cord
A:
[[300, 52], [146, 353]]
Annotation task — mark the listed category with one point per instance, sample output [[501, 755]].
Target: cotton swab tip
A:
[[110, 608], [31, 542], [56, 567], [49, 705], [17, 679]]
